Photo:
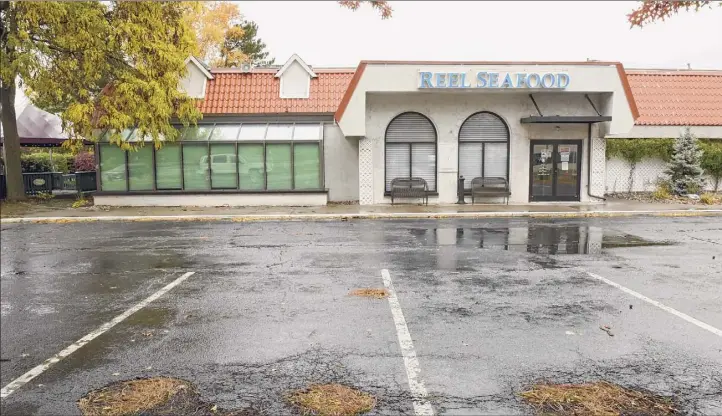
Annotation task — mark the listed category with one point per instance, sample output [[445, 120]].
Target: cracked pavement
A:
[[492, 307]]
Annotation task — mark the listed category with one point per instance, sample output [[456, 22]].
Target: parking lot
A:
[[479, 310]]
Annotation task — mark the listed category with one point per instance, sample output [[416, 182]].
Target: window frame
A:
[[319, 141], [410, 144], [467, 181]]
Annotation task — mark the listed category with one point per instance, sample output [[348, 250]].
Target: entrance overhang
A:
[[565, 119]]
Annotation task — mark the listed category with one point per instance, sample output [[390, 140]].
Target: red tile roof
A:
[[257, 92], [677, 97]]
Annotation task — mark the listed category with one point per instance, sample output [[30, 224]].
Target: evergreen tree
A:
[[684, 169], [242, 46]]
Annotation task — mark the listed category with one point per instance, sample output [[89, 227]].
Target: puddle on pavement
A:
[[538, 238]]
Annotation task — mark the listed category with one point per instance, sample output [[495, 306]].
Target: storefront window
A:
[[256, 157], [250, 167], [278, 166], [195, 167], [306, 166], [223, 166], [168, 167], [140, 169], [411, 149], [483, 147], [112, 168]]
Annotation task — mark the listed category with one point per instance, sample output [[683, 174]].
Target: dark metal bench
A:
[[409, 188], [492, 186]]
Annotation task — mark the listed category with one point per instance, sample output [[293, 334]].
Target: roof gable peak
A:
[[291, 60]]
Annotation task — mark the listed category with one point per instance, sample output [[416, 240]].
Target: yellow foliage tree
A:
[[210, 23]]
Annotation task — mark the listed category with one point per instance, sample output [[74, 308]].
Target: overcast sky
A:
[[324, 34]]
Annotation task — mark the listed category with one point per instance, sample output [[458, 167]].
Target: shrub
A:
[[712, 160], [708, 199], [40, 162], [84, 162], [684, 169], [662, 192]]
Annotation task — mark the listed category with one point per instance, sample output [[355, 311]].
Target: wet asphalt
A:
[[492, 306]]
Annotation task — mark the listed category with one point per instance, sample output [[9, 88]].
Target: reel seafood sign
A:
[[494, 80]]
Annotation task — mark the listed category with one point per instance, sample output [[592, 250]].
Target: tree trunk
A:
[[11, 144]]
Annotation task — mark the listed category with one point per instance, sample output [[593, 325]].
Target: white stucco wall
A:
[[213, 200], [194, 83], [295, 82], [404, 78], [447, 112], [341, 159]]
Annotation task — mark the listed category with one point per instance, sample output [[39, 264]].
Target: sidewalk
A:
[[612, 208]]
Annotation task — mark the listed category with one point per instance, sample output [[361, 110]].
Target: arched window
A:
[[483, 147], [411, 149]]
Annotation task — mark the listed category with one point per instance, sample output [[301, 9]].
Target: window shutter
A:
[[411, 127], [469, 162], [423, 163], [484, 127], [495, 162], [398, 162]]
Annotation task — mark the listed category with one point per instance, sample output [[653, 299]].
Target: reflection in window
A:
[[197, 133], [223, 166], [195, 167], [250, 167], [140, 169], [112, 168], [225, 132], [278, 166], [168, 167]]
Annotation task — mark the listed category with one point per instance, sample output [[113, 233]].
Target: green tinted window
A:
[[112, 168], [250, 166], [223, 166], [278, 166], [195, 167], [306, 166], [140, 169], [168, 167]]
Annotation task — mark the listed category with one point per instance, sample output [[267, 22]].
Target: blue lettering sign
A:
[[493, 80], [484, 79], [507, 82], [481, 80], [426, 80], [547, 81], [562, 80]]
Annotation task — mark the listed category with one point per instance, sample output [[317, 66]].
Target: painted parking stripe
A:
[[36, 371], [658, 304], [422, 407]]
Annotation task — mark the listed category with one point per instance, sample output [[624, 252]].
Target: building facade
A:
[[297, 135]]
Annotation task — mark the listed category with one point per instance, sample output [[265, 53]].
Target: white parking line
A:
[[422, 407], [36, 371], [660, 305]]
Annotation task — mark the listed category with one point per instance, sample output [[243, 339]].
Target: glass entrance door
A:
[[554, 170]]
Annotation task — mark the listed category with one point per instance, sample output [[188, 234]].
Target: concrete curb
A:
[[363, 216]]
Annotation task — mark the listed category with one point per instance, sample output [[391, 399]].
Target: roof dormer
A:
[[194, 83], [295, 78]]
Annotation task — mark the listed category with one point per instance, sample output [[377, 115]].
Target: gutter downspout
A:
[[589, 164]]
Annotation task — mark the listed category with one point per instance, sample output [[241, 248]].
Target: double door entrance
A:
[[555, 168]]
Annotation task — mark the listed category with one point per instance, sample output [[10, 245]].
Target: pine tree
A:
[[684, 170], [242, 45]]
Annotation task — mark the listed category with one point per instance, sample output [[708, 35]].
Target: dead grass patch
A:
[[370, 293], [131, 397], [595, 399], [332, 400]]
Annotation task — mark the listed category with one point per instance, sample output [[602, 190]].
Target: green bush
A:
[[40, 162], [634, 150], [712, 160]]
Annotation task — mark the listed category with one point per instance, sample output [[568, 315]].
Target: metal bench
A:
[[409, 188], [492, 186]]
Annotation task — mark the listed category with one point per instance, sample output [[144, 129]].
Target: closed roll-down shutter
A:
[[411, 149], [483, 127], [410, 127]]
